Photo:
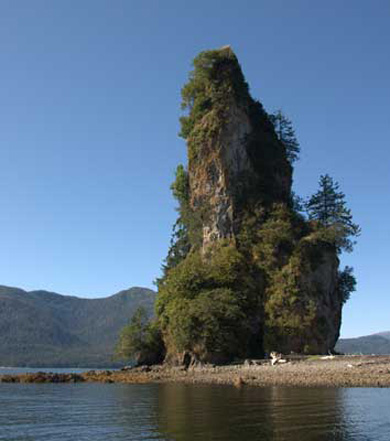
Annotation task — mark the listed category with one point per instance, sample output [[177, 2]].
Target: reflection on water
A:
[[251, 413], [184, 412]]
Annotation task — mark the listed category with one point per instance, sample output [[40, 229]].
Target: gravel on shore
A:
[[338, 371]]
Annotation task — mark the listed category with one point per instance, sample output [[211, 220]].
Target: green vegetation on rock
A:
[[328, 208], [204, 304], [140, 340], [346, 283], [286, 134], [248, 271], [216, 79]]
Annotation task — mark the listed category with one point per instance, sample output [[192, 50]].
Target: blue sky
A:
[[89, 108]]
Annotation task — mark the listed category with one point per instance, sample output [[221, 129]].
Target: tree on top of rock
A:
[[328, 207]]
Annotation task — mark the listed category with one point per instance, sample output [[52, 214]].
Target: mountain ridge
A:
[[43, 328], [377, 343]]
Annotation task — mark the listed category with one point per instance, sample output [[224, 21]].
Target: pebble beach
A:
[[337, 371]]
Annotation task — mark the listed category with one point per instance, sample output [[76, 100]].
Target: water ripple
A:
[[105, 412]]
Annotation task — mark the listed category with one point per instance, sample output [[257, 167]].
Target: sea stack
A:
[[251, 274]]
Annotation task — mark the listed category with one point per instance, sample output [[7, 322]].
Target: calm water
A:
[[106, 412], [27, 370]]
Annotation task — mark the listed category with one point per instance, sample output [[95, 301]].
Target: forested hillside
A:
[[41, 328], [378, 344]]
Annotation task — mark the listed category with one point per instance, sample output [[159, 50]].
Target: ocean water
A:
[[28, 370], [110, 412]]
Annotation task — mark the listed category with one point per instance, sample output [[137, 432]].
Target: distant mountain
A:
[[378, 344], [385, 334], [40, 328]]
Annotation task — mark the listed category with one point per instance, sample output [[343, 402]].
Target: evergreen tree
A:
[[346, 283], [180, 242], [286, 134], [179, 247], [328, 207], [140, 340]]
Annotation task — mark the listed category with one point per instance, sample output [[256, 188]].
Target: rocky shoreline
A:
[[339, 371]]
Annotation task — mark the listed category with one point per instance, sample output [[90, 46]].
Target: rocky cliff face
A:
[[304, 314], [230, 162], [325, 330], [240, 193], [214, 179]]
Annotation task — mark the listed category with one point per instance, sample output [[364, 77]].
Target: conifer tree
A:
[[286, 134], [346, 283], [328, 207], [180, 243], [140, 340]]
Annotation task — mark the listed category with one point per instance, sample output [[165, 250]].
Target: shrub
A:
[[205, 303], [140, 340]]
